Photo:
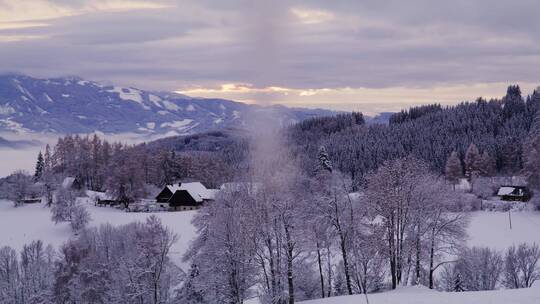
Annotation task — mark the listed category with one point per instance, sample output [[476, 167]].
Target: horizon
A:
[[368, 108]]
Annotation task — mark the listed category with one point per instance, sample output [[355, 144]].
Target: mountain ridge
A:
[[75, 105]]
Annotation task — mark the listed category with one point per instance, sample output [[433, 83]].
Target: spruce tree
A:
[[453, 169], [458, 285], [47, 158], [472, 162], [324, 160], [40, 164]]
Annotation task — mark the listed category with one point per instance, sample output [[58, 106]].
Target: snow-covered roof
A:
[[505, 190], [197, 190], [68, 182]]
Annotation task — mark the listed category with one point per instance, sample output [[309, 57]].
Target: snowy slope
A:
[[73, 105], [422, 295]]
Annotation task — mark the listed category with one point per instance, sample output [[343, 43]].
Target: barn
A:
[[184, 196]]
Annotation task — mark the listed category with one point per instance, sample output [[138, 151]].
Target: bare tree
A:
[[478, 269], [20, 188], [521, 266], [393, 192]]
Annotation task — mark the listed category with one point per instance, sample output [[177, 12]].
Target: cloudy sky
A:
[[343, 54]]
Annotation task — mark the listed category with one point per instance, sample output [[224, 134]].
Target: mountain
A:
[[74, 105]]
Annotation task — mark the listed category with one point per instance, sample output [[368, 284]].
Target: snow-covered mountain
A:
[[74, 105]]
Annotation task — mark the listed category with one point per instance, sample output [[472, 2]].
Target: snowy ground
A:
[[492, 229], [422, 295], [19, 226]]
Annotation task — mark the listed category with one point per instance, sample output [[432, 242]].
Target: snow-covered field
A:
[[423, 295], [492, 229], [19, 226]]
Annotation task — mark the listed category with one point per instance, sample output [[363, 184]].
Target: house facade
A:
[[184, 196]]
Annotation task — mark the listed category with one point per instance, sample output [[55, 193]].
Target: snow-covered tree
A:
[[61, 210], [394, 192], [479, 268], [36, 272], [125, 264], [324, 162], [224, 252], [20, 187], [521, 266], [9, 276], [80, 217]]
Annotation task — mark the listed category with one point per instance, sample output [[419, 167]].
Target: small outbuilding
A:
[[514, 193]]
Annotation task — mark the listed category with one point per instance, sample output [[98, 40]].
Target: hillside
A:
[[74, 105]]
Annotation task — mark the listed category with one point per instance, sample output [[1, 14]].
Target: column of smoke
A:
[[266, 35]]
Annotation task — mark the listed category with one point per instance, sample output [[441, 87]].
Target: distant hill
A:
[[75, 105], [15, 144], [381, 118]]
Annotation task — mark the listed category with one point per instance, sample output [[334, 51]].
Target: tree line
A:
[[498, 128]]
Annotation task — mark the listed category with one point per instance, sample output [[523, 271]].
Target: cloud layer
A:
[[296, 52]]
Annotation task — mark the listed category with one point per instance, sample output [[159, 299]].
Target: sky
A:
[[352, 54]]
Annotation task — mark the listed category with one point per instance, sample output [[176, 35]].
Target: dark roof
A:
[[182, 198], [164, 195]]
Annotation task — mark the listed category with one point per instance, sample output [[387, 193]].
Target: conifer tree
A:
[[40, 165], [472, 162], [453, 169], [458, 285], [324, 160], [47, 158]]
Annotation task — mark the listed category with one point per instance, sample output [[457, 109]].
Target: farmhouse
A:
[[514, 193], [184, 196]]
